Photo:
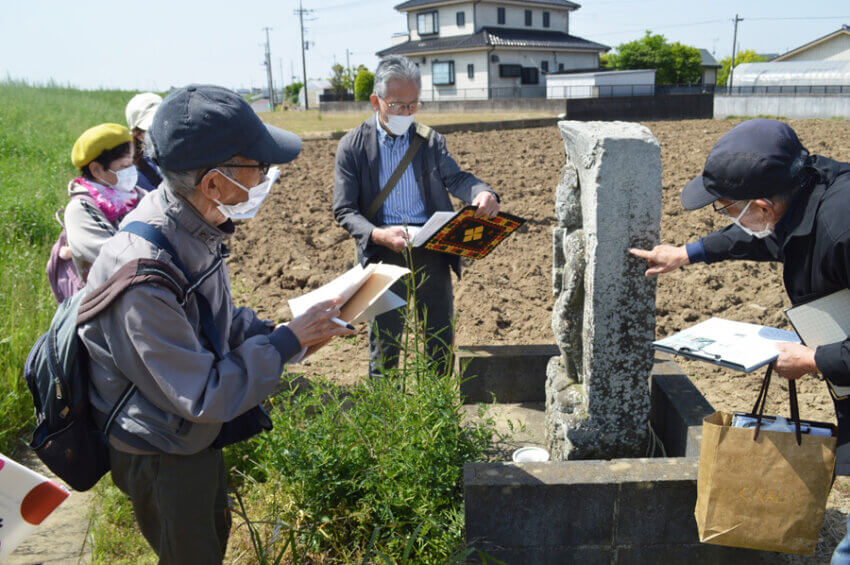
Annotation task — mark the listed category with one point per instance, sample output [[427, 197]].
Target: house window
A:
[[426, 23], [510, 71], [443, 73], [560, 66], [545, 19], [500, 15], [544, 66], [530, 75], [470, 71], [461, 19], [528, 17]]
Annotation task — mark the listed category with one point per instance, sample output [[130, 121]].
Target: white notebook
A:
[[823, 321], [736, 345]]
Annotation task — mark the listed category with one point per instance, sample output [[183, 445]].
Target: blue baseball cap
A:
[[755, 159], [202, 125]]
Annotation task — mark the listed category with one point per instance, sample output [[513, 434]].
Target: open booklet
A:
[[26, 499], [823, 321], [366, 291], [735, 345]]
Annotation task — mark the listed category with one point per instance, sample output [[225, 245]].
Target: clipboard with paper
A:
[[735, 345], [823, 321]]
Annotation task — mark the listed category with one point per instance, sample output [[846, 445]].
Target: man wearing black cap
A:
[[183, 372], [787, 206]]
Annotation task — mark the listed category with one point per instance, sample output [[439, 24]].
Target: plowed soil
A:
[[294, 245]]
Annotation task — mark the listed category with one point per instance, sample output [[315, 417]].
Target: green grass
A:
[[312, 121], [38, 127]]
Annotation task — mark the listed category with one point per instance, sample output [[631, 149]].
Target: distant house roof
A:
[[708, 60], [411, 4], [844, 29], [496, 37]]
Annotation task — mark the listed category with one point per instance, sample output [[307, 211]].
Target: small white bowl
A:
[[530, 454]]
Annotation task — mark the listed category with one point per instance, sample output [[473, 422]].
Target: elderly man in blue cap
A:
[[786, 206], [181, 376]]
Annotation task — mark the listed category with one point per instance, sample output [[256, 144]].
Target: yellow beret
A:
[[96, 140]]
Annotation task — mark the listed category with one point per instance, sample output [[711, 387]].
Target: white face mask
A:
[[398, 125], [127, 178], [760, 234], [256, 195]]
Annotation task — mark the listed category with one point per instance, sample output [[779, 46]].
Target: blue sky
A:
[[159, 43]]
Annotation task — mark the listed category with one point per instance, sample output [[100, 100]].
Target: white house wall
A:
[[570, 60], [447, 21], [835, 49], [487, 16], [464, 87]]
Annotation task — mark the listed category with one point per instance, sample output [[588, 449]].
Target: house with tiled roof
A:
[[710, 66], [490, 48]]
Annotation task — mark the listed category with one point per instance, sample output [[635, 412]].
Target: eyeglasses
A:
[[724, 209], [264, 167], [397, 107]]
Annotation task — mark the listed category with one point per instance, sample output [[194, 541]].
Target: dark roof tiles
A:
[[496, 37]]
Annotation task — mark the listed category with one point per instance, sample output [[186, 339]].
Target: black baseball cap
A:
[[202, 125], [755, 159]]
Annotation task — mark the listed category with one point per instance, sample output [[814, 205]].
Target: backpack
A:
[[61, 272], [67, 438]]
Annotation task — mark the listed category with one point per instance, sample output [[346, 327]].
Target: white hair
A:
[[183, 183], [395, 67]]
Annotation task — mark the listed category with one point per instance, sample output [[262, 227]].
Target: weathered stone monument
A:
[[608, 199]]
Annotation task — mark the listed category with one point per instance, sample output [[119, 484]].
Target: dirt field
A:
[[294, 245]]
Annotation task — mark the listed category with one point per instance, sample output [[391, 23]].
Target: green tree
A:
[[339, 80], [363, 84], [290, 92], [748, 56], [673, 63]]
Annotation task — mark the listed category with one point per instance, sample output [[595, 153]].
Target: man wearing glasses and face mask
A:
[[787, 206], [372, 157]]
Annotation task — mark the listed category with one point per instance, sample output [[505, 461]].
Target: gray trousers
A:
[[180, 503], [434, 304]]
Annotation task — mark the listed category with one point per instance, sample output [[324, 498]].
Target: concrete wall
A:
[[786, 106], [553, 107], [638, 108]]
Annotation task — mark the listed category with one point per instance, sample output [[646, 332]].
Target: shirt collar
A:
[[191, 220]]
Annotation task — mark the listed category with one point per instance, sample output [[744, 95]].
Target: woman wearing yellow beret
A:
[[104, 193]]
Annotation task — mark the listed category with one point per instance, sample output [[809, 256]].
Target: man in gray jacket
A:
[[149, 354], [366, 159]]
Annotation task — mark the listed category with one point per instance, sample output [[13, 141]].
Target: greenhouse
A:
[[816, 77]]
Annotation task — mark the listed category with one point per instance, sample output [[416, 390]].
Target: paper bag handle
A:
[[758, 408]]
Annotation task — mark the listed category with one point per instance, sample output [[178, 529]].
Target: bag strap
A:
[[421, 134], [758, 408], [208, 327]]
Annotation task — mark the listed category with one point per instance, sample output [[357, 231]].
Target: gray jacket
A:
[[147, 338], [356, 183]]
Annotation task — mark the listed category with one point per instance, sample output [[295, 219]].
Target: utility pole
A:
[[269, 69], [734, 47], [347, 59], [300, 13]]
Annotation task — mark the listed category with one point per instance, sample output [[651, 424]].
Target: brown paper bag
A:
[[768, 493]]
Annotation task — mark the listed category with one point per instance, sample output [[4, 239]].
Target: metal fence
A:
[[560, 92], [787, 90]]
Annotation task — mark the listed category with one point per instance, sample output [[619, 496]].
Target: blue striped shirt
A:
[[404, 205]]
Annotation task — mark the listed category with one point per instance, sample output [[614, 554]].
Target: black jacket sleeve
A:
[[732, 242]]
